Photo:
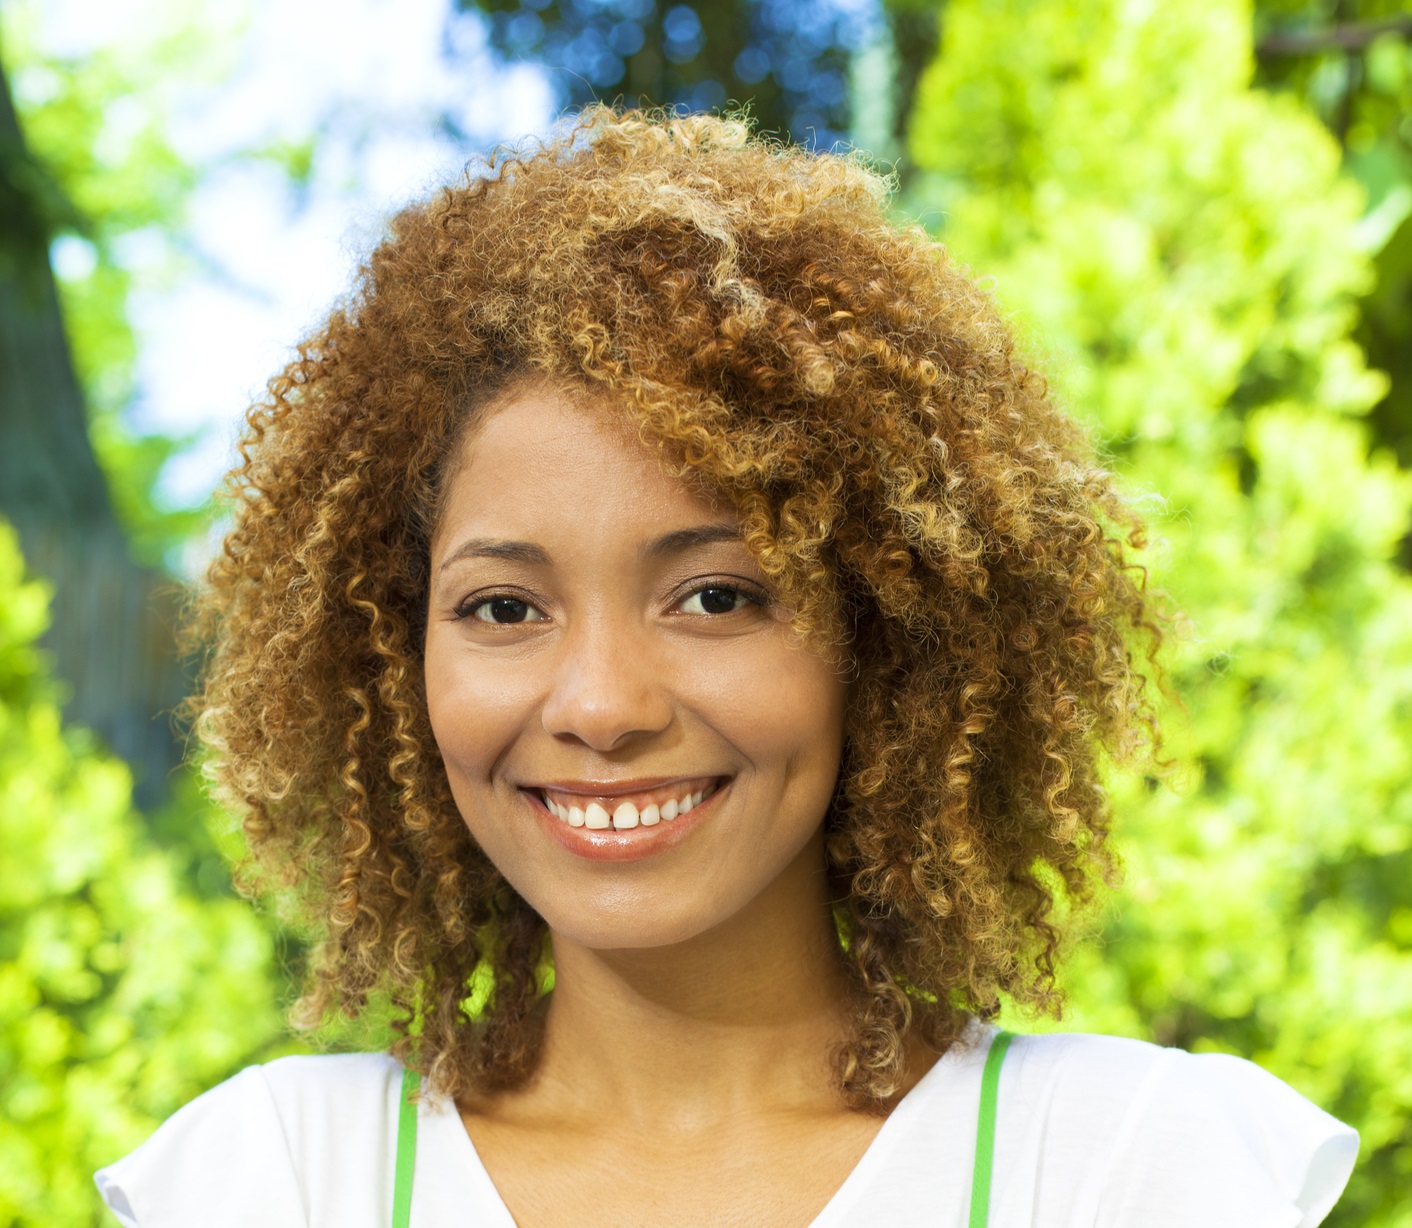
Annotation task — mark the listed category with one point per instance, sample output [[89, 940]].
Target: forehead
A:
[[541, 458], [535, 419]]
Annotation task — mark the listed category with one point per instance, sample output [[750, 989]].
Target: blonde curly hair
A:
[[900, 475]]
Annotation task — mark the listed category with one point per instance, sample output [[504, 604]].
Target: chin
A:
[[598, 928]]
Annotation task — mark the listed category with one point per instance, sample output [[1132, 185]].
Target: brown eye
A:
[[504, 610], [718, 599]]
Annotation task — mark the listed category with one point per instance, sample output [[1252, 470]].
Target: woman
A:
[[666, 638]]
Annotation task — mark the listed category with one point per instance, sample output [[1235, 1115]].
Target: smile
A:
[[628, 821], [624, 811]]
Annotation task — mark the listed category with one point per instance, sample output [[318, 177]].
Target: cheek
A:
[[793, 699], [476, 707], [477, 710], [786, 715]]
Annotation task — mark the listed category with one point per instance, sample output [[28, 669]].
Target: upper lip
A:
[[602, 788]]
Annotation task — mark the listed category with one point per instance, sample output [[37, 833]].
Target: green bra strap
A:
[[406, 1150], [985, 1130]]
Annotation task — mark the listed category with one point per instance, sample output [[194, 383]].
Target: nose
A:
[[606, 689]]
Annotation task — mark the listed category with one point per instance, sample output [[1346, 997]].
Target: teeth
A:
[[625, 815]]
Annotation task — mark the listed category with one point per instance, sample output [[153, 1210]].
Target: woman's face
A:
[[630, 728]]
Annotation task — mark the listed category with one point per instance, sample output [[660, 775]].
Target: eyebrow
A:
[[687, 539], [536, 556], [485, 548]]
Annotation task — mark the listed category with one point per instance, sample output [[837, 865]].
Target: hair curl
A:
[[900, 475]]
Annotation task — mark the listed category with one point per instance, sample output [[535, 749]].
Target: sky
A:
[[401, 96]]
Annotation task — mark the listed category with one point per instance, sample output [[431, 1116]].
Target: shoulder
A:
[[1162, 1136], [268, 1146], [331, 1091]]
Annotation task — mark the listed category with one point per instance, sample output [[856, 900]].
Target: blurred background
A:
[[1199, 218]]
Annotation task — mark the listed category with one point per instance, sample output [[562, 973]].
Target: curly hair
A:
[[900, 475]]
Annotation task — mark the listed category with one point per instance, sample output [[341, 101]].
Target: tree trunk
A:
[[111, 636]]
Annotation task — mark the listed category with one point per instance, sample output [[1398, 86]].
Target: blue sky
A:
[[376, 80]]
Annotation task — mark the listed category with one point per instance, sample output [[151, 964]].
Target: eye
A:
[[501, 611], [719, 599]]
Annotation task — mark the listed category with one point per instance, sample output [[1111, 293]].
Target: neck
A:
[[746, 1013]]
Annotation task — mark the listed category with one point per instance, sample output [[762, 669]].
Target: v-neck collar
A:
[[938, 1081], [448, 1143]]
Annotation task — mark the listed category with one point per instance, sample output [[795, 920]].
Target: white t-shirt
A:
[[1091, 1131]]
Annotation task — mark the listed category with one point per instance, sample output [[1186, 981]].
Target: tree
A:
[[130, 978], [787, 58], [1184, 248], [123, 993], [112, 640], [1350, 61]]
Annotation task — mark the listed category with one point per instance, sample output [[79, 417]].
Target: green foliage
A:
[[1361, 87], [1358, 83], [1386, 327], [123, 994], [1187, 250]]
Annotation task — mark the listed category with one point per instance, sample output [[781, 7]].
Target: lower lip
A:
[[631, 844]]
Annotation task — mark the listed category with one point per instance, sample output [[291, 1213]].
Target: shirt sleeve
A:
[[1221, 1143], [221, 1162]]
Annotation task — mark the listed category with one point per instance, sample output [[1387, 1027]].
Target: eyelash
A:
[[754, 596], [466, 610]]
